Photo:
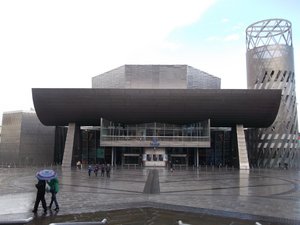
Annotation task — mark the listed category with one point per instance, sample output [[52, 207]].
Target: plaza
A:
[[267, 196]]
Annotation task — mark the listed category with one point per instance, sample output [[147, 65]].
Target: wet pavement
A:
[[267, 196]]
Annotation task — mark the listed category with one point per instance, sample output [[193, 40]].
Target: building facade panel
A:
[[197, 79], [112, 79], [11, 136], [156, 77], [25, 141]]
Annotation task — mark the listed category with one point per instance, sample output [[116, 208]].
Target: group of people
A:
[[103, 169], [41, 191]]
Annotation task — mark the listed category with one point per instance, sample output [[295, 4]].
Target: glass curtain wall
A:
[[146, 132], [90, 142]]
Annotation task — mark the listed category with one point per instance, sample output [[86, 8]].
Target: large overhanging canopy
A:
[[224, 107]]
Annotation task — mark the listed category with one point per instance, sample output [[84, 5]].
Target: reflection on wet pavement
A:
[[268, 196]]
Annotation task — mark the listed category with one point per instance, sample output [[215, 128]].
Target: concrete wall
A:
[[25, 141], [11, 136]]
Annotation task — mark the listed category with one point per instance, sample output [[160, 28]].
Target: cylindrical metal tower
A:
[[270, 65]]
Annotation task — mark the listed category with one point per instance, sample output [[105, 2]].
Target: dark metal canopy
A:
[[224, 107]]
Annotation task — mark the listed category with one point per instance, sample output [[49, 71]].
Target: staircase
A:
[[242, 148]]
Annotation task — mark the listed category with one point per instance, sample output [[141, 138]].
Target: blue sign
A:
[[154, 143]]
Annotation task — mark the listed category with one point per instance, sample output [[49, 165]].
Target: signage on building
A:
[[154, 143], [100, 153]]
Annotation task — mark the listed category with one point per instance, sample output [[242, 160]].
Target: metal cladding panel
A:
[[252, 108], [270, 65]]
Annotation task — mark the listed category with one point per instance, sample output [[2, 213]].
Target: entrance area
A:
[[179, 159], [155, 157], [222, 151]]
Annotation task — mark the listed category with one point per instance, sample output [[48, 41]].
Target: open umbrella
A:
[[46, 174]]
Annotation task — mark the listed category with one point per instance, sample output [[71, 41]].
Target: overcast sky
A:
[[64, 43]]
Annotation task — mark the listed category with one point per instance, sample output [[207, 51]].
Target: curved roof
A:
[[224, 107]]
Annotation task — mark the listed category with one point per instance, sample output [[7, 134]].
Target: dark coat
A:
[[41, 187]]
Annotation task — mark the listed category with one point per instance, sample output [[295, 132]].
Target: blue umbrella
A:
[[46, 174]]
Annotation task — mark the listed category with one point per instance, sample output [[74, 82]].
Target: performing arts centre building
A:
[[154, 115], [162, 115]]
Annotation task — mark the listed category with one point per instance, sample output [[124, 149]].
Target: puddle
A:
[[146, 216]]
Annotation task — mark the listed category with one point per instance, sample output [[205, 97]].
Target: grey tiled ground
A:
[[272, 194]]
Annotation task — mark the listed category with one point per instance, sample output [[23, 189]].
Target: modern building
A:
[[155, 115], [25, 141], [162, 115], [270, 65]]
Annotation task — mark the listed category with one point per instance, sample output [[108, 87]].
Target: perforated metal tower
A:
[[270, 65]]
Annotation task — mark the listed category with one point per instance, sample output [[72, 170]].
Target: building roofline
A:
[[224, 107]]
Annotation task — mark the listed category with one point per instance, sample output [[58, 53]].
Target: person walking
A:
[[108, 170], [96, 168], [90, 170], [102, 170], [54, 188], [78, 165], [40, 196]]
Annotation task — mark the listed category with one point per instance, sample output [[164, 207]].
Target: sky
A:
[[64, 43]]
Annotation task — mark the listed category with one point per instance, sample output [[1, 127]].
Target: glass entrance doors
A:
[[179, 159], [131, 159]]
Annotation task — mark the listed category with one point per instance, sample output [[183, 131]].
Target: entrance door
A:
[[155, 157], [179, 159], [131, 159]]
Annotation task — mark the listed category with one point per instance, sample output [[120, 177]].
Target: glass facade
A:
[[150, 144], [150, 134]]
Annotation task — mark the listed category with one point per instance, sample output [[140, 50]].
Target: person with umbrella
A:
[[54, 187], [42, 176], [40, 196]]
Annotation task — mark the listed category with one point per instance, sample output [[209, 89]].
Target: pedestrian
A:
[[90, 170], [40, 196], [171, 167], [96, 168], [102, 170], [78, 164], [54, 187], [108, 170]]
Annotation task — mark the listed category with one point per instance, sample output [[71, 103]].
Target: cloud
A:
[[213, 38], [224, 20], [63, 43], [232, 37]]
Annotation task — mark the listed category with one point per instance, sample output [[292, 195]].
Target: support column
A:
[[71, 141], [242, 147], [197, 155], [112, 156]]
